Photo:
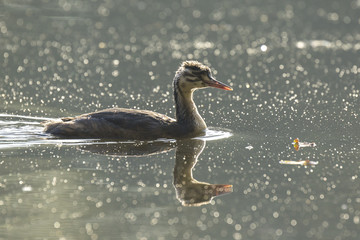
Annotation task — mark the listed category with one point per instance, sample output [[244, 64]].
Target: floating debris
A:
[[249, 147], [299, 162], [297, 144], [27, 188]]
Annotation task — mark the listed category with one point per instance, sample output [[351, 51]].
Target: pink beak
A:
[[216, 84]]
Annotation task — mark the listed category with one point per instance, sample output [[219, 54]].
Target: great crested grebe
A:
[[131, 124]]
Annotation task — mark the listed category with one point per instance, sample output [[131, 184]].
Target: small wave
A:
[[5, 115], [20, 131], [215, 134]]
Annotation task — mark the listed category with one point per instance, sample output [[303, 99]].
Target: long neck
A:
[[186, 110], [187, 153]]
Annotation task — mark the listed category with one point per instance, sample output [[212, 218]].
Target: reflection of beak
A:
[[222, 189], [216, 84]]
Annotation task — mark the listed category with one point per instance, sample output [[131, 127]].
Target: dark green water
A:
[[294, 67]]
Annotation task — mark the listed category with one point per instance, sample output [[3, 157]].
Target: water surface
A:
[[295, 73]]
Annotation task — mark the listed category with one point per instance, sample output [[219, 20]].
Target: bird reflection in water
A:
[[189, 191]]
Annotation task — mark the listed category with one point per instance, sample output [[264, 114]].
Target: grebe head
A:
[[192, 75]]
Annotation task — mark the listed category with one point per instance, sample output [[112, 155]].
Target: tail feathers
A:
[[63, 128], [50, 125], [85, 128]]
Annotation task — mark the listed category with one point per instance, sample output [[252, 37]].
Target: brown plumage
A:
[[131, 124]]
